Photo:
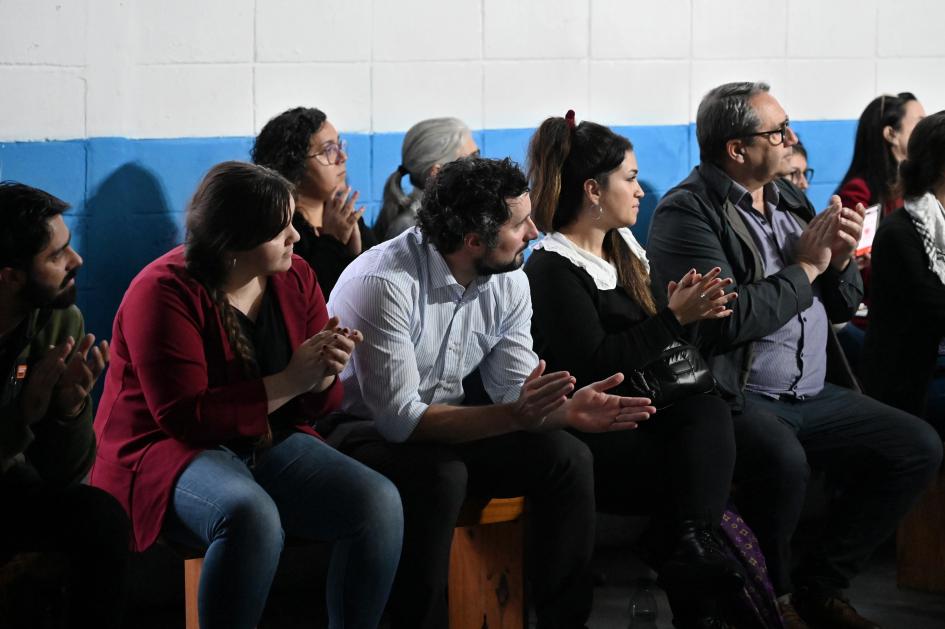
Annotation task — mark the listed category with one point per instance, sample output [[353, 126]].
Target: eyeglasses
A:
[[775, 136], [796, 175], [331, 153]]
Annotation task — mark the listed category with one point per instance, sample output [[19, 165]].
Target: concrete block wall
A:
[[120, 106]]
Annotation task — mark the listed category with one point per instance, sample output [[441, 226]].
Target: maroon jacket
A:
[[175, 386]]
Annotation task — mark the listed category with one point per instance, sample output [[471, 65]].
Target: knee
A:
[[566, 457], [927, 449], [378, 508], [785, 467], [437, 493], [252, 518], [108, 524]]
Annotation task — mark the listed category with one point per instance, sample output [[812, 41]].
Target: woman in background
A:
[[882, 136], [907, 314], [305, 148], [223, 358], [427, 146]]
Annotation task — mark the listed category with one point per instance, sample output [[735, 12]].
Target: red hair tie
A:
[[569, 118]]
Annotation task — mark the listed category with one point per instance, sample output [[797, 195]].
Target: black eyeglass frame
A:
[[781, 132]]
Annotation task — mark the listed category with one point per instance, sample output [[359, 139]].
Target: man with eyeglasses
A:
[[793, 276]]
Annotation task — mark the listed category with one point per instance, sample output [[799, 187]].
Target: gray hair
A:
[[724, 114], [428, 143]]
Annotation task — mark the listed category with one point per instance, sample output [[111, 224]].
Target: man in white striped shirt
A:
[[438, 305]]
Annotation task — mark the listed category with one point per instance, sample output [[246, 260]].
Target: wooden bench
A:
[[920, 543], [486, 585]]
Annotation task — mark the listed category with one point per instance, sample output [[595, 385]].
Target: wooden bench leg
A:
[[920, 544], [192, 569], [486, 589]]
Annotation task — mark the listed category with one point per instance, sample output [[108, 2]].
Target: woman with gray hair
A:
[[427, 146]]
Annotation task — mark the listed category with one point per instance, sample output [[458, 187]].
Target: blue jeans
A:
[[302, 487]]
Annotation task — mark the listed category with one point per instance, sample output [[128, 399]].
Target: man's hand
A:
[[541, 395], [593, 410], [41, 379], [813, 249], [848, 233], [82, 371]]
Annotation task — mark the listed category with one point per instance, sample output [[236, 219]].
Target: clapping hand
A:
[[316, 362], [81, 372], [848, 232], [42, 377], [541, 395], [591, 409], [696, 297]]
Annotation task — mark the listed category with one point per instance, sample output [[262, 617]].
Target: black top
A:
[[589, 332], [271, 347], [327, 256], [907, 317]]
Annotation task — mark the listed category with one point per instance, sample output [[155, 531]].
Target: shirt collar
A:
[[730, 189], [441, 276]]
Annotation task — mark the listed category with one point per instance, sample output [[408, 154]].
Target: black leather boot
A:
[[700, 560]]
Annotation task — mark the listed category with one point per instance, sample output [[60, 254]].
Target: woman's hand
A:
[[340, 219], [696, 297], [317, 361]]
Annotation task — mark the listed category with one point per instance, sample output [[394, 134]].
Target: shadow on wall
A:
[[130, 224]]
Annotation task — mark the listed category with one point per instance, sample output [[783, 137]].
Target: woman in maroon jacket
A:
[[223, 357]]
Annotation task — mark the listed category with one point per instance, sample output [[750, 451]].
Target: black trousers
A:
[[552, 470], [676, 466], [85, 524], [879, 457]]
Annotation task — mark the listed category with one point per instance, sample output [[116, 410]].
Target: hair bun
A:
[[569, 118]]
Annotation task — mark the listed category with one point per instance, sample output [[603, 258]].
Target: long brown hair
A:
[[236, 207], [561, 157]]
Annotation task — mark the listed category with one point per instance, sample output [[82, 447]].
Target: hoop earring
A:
[[232, 263], [600, 212]]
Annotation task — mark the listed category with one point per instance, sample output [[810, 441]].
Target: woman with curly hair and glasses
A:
[[304, 147]]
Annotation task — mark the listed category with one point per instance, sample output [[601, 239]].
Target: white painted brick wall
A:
[[535, 29], [404, 93], [173, 68], [341, 90]]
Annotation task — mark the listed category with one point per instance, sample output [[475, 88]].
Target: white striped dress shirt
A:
[[424, 333]]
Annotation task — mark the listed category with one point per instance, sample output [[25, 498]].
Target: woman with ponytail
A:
[[428, 145], [594, 314], [223, 360]]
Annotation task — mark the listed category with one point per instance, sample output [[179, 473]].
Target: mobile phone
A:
[[870, 222]]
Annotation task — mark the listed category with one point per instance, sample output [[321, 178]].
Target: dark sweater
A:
[[56, 450], [327, 256], [907, 317], [589, 332]]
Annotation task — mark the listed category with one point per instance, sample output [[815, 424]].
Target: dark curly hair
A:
[[283, 144], [924, 168], [25, 213], [468, 196]]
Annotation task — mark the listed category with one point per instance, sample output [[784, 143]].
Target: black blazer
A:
[[907, 317], [696, 225]]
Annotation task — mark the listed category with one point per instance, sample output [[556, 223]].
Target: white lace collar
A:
[[601, 271]]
